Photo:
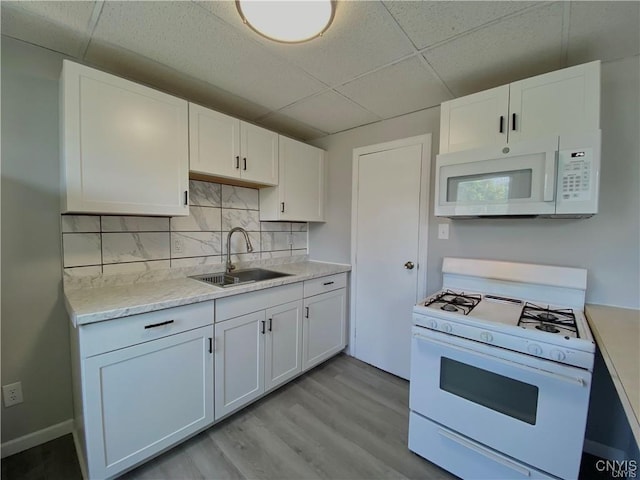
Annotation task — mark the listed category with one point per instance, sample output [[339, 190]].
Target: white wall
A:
[[607, 245], [35, 326]]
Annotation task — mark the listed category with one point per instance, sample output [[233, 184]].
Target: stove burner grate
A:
[[561, 320], [451, 301]]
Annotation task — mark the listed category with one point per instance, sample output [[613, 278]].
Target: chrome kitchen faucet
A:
[[231, 266]]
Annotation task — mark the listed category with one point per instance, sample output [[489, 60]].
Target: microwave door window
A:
[[490, 187]]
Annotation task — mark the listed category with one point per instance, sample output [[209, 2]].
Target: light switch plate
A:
[[443, 231]]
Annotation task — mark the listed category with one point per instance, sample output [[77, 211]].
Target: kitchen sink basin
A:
[[239, 277]]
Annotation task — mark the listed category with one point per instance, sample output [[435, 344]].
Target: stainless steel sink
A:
[[239, 277]]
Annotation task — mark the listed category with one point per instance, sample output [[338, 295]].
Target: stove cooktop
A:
[[538, 317]]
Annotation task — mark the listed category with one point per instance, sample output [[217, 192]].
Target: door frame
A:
[[423, 231]]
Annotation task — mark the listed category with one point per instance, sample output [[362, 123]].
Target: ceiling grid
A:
[[378, 60]]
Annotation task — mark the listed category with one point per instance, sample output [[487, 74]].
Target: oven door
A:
[[517, 179], [528, 408]]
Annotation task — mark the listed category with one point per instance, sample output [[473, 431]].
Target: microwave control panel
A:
[[575, 174]]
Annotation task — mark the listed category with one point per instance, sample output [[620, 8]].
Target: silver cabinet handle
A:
[[409, 265]]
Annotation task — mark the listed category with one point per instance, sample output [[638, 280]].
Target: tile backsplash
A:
[[95, 244]]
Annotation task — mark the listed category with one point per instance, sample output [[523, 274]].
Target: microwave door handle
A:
[[550, 169]]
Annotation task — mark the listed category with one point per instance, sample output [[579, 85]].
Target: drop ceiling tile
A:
[[401, 88], [287, 126], [329, 112], [427, 23], [363, 37], [135, 67], [183, 36], [516, 48], [59, 26], [603, 31]]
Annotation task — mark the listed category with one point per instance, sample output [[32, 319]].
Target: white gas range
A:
[[501, 365]]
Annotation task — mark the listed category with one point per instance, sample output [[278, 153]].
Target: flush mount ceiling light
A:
[[292, 21]]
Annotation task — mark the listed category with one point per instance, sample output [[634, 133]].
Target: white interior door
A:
[[388, 249]]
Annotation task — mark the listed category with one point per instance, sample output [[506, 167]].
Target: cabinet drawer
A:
[[122, 332], [324, 284], [245, 303]]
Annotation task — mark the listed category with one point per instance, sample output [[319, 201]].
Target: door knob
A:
[[409, 265]]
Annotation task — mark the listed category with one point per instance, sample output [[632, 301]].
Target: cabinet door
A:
[[283, 349], [560, 102], [239, 356], [214, 141], [259, 154], [323, 327], [125, 147], [301, 181], [143, 399], [475, 120]]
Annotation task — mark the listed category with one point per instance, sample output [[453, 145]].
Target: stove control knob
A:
[[557, 355], [534, 349], [486, 337], [433, 324], [446, 328]]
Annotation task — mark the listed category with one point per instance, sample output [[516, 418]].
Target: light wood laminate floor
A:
[[342, 420]]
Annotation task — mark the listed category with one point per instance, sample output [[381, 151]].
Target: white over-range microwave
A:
[[551, 177]]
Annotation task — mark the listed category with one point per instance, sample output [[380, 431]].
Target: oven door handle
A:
[[485, 452], [510, 363]]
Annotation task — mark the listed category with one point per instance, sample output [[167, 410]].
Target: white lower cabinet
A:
[[135, 401], [255, 353], [324, 328], [239, 362], [283, 344], [146, 382]]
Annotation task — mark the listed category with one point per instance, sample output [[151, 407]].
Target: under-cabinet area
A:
[[173, 372]]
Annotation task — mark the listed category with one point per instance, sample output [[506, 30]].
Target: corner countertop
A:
[[617, 333], [90, 305]]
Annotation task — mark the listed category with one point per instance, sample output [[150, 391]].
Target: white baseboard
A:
[[81, 461], [36, 438], [604, 451]]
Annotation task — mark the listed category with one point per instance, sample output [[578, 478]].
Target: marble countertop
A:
[[617, 333], [96, 304]]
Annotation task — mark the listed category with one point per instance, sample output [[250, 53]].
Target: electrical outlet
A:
[[178, 245], [12, 394]]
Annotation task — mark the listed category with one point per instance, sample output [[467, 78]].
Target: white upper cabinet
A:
[[124, 146], [474, 120], [223, 146], [556, 103], [299, 195], [259, 152], [214, 142]]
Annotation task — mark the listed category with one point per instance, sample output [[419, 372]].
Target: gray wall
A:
[[35, 327], [607, 245]]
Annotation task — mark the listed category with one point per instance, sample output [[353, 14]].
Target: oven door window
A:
[[502, 394]]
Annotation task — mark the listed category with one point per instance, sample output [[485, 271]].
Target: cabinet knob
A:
[[244, 163], [237, 161], [409, 265], [281, 207]]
